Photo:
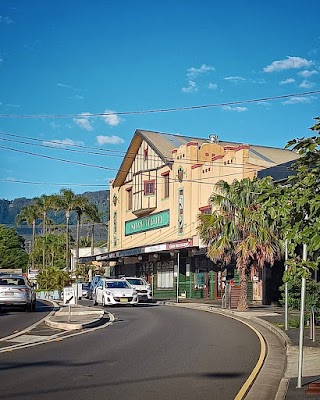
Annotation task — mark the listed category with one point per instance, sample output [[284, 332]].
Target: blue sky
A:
[[67, 58]]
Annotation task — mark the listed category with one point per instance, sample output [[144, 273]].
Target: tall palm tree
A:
[[44, 204], [66, 201], [238, 227], [82, 207], [29, 214]]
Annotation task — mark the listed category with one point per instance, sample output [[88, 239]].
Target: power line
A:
[[160, 110], [185, 160], [54, 184], [60, 159]]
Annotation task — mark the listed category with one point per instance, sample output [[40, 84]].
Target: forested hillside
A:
[[10, 209]]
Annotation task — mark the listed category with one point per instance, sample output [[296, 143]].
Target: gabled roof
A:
[[164, 143], [278, 173]]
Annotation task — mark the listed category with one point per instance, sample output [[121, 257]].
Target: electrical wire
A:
[[185, 160], [160, 110]]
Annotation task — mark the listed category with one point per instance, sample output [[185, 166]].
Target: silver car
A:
[[16, 290]]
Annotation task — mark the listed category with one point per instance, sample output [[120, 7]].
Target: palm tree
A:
[[44, 204], [239, 228], [82, 207], [66, 201], [29, 214]]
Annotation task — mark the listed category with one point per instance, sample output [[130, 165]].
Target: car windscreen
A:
[[12, 281], [135, 281], [117, 285]]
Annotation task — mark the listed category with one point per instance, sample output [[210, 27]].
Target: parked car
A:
[[16, 290], [114, 291], [86, 289], [142, 287]]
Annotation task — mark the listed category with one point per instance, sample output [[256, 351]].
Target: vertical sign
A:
[[180, 212]]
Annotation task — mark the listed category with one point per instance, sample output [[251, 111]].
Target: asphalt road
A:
[[152, 352], [15, 319]]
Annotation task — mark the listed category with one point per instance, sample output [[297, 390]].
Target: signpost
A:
[[69, 297]]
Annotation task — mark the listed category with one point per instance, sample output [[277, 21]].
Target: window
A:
[[205, 210], [149, 187], [145, 154], [166, 186], [129, 198], [164, 279]]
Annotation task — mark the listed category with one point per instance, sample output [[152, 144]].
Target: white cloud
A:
[[213, 86], [192, 72], [237, 109], [306, 84], [84, 122], [64, 85], [234, 78], [298, 100], [286, 81], [5, 20], [307, 74], [289, 63], [63, 143], [111, 118], [109, 140], [191, 88]]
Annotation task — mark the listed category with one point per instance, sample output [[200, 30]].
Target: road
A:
[[14, 319], [152, 352]]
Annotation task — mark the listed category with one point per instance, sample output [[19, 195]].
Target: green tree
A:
[[68, 201], [29, 214], [53, 278], [53, 246], [82, 207], [239, 228], [12, 252], [296, 205]]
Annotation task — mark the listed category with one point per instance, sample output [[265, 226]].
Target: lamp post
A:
[[178, 272], [286, 290], [302, 306]]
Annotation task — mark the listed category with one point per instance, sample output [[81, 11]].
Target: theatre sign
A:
[[153, 221]]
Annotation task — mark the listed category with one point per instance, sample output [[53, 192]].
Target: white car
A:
[[142, 287], [114, 291]]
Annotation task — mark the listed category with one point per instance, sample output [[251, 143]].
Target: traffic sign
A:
[[69, 296]]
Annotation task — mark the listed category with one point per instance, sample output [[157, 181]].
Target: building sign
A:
[[181, 244], [155, 248], [180, 212], [153, 221]]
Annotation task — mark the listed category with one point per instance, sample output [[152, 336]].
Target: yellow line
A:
[[243, 391]]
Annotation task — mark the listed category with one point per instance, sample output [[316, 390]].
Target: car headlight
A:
[[134, 293], [108, 293]]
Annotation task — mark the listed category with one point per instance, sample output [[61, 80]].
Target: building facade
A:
[[163, 184]]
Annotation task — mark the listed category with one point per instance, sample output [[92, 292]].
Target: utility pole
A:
[[302, 305]]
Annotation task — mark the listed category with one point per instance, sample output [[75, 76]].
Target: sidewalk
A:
[[277, 378]]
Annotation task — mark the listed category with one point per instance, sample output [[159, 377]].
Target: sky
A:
[[78, 77]]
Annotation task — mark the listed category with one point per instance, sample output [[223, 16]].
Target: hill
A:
[[10, 209]]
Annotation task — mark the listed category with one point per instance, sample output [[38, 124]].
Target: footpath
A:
[[277, 377]]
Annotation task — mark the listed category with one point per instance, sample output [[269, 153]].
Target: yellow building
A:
[[162, 185]]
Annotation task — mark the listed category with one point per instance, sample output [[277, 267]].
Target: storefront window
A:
[[165, 279]]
